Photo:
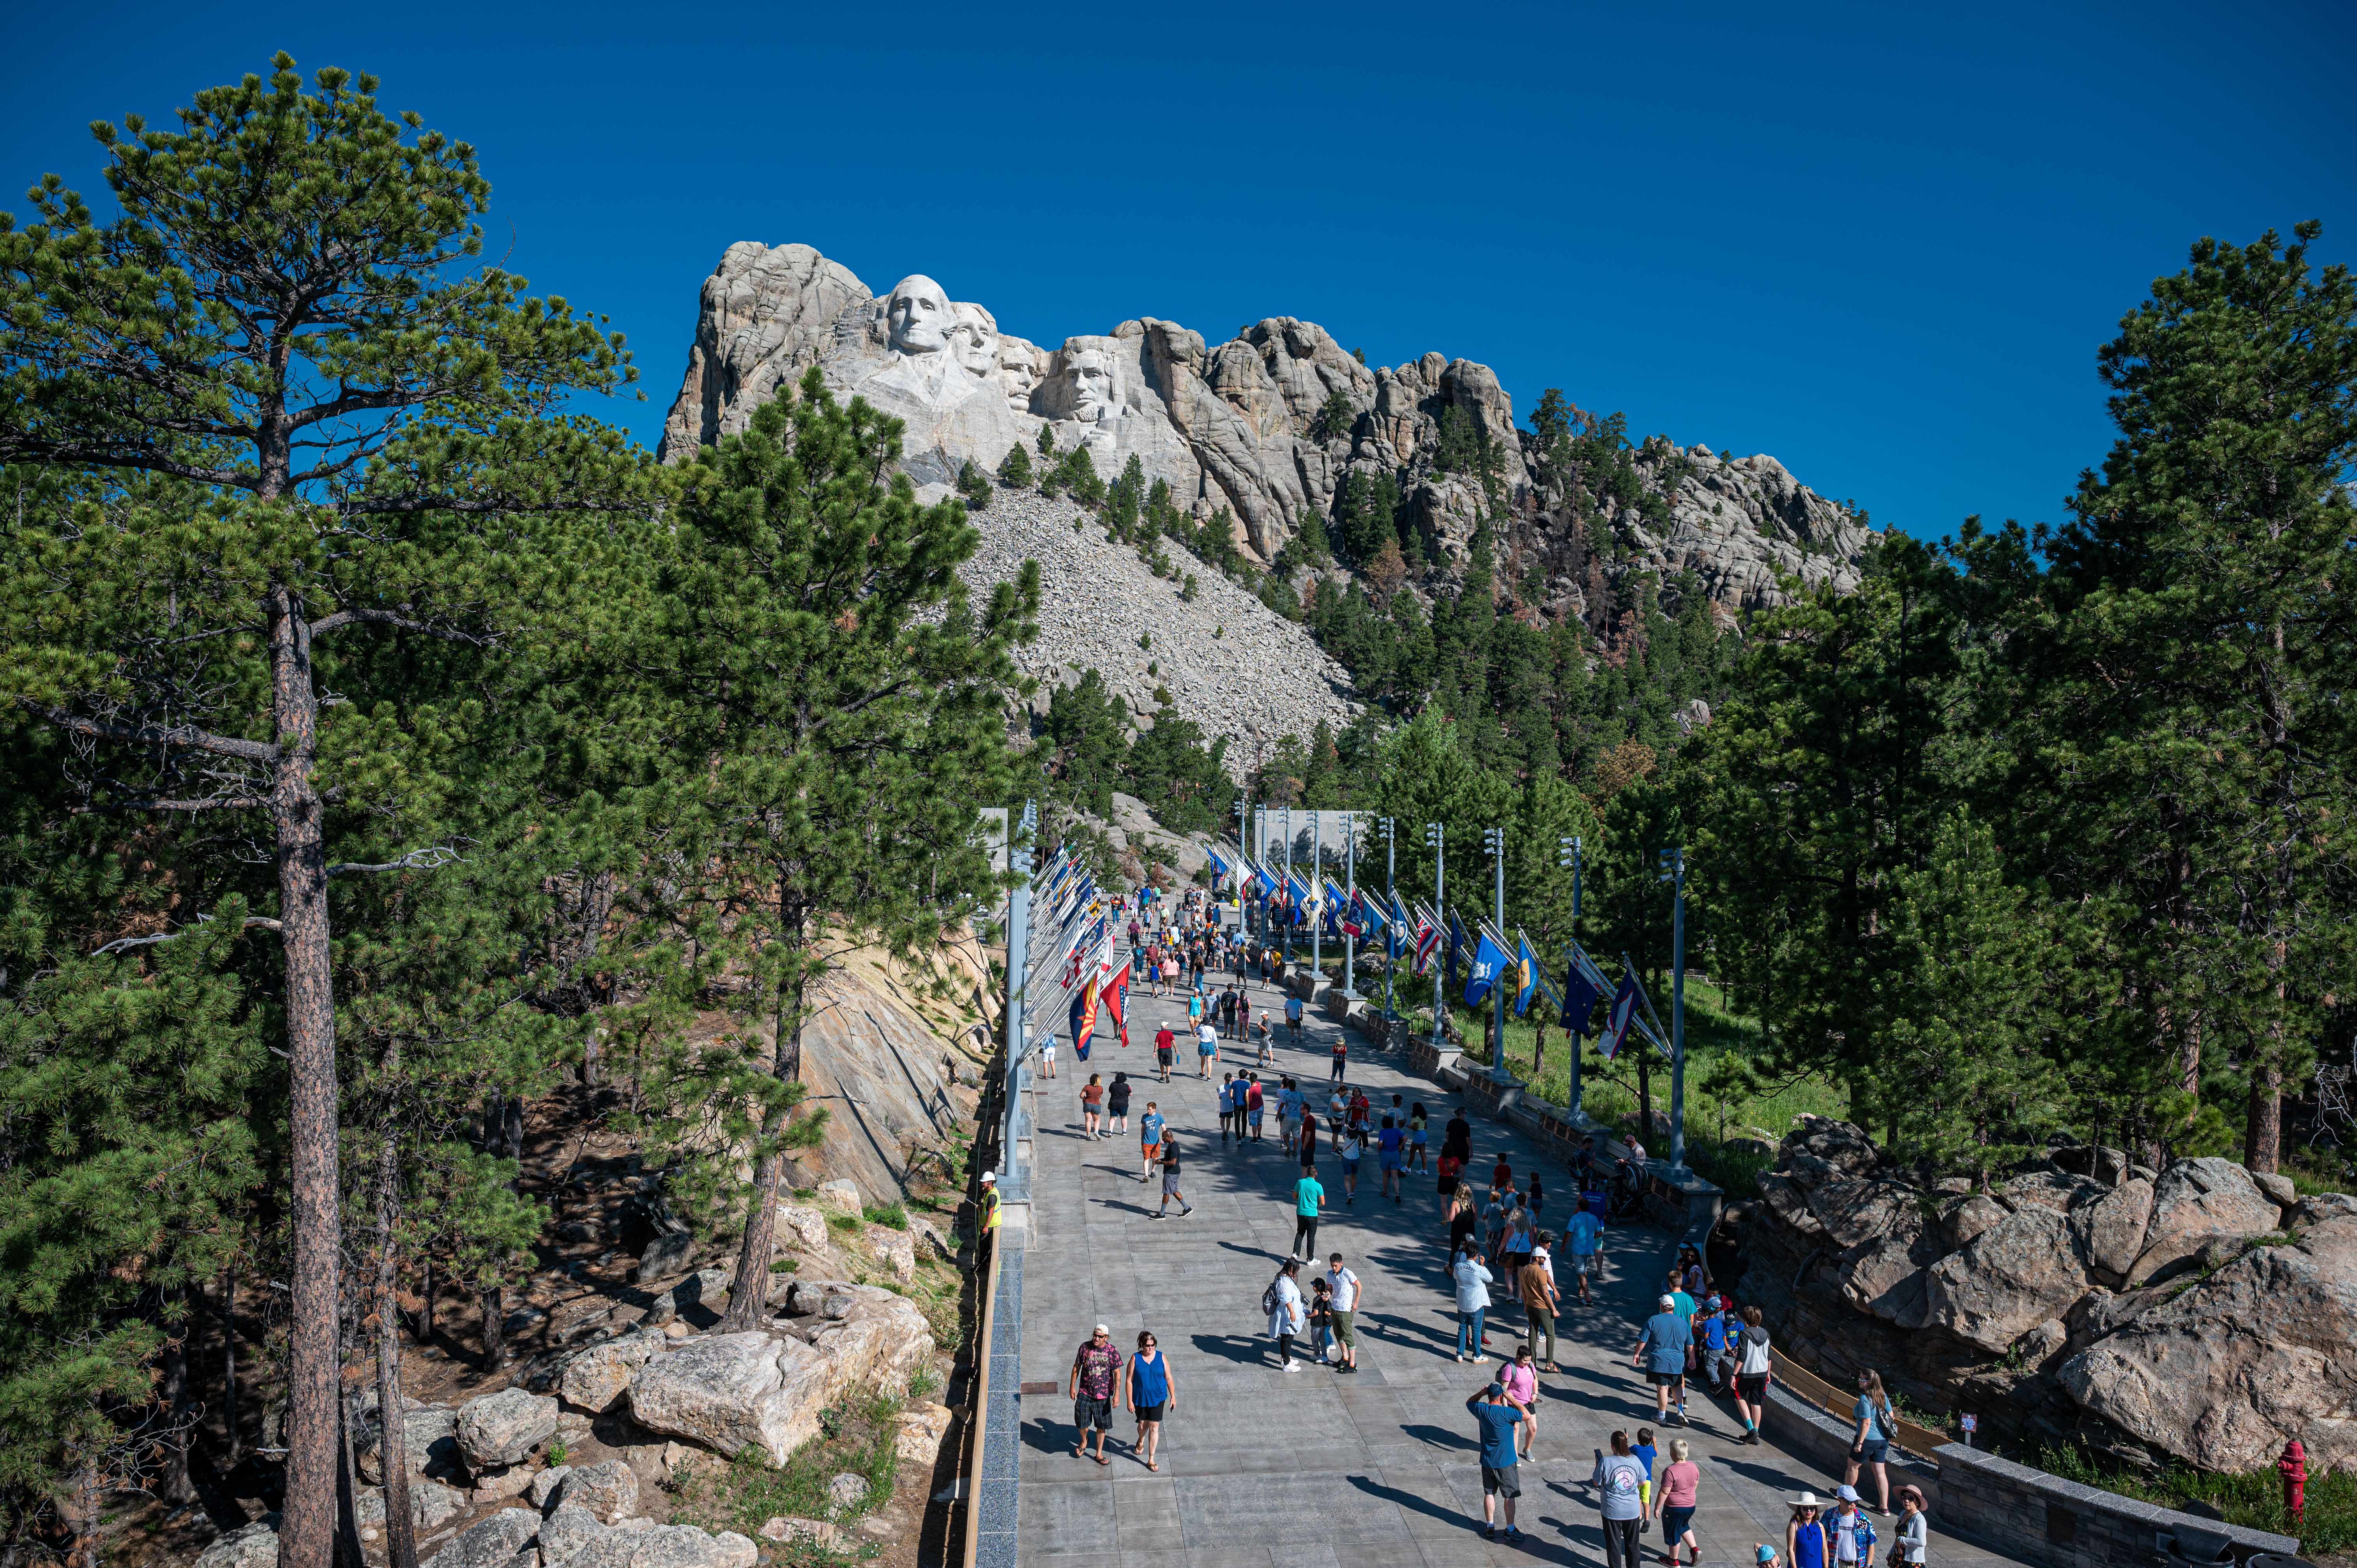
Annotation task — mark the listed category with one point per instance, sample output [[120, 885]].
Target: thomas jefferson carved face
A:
[[974, 338], [918, 316], [1090, 389]]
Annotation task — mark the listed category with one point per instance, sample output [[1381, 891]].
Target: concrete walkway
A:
[[1370, 1469]]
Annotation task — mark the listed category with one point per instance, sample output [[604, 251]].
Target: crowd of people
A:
[[1501, 1251]]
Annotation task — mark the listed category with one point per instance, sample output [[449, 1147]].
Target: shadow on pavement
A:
[[1243, 1350]]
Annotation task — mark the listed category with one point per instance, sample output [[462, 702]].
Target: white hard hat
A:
[[990, 1176]]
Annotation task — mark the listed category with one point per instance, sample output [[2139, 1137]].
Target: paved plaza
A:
[[1373, 1469]]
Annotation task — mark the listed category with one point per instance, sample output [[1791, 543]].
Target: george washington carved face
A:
[[917, 314]]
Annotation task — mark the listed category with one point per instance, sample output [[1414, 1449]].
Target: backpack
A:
[[1268, 1298]]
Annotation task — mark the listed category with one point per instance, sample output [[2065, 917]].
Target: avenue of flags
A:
[[1087, 966]]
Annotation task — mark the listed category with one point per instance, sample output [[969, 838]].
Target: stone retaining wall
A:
[[2064, 1524]]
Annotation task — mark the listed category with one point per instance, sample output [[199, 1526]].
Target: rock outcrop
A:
[[2067, 1305], [1273, 422]]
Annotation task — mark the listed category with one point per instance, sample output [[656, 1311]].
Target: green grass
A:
[[892, 1217], [2253, 1501], [855, 1435], [843, 1222]]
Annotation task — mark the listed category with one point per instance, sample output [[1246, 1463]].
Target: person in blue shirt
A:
[[1500, 1419], [1713, 1345], [1149, 1138], [1584, 1234], [1661, 1351]]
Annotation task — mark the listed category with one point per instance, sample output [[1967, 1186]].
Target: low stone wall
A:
[[2010, 1508], [1426, 1059], [2062, 1523]]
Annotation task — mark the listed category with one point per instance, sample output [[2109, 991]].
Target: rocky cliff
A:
[[2199, 1311], [1272, 423]]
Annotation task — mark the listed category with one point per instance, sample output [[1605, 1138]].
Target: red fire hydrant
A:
[[2293, 1467]]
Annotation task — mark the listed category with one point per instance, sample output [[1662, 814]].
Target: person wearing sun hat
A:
[[1807, 1543], [1764, 1556]]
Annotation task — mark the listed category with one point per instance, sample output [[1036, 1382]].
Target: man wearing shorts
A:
[[1094, 1368], [1500, 1420], [1293, 1017], [1149, 1139], [1171, 1182], [1585, 1233], [1165, 1044], [1254, 1103], [1661, 1351], [1228, 1113], [1346, 1292]]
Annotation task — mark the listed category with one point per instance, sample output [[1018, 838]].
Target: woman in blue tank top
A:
[[1805, 1543], [1146, 1391]]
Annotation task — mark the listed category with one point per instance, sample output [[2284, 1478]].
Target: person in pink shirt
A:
[[1521, 1381], [1674, 1501]]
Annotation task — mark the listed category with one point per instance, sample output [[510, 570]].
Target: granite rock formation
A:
[[1242, 427], [2183, 1311]]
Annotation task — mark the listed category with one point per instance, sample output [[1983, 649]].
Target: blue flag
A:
[[1457, 940], [1578, 1000], [1489, 961], [1530, 975]]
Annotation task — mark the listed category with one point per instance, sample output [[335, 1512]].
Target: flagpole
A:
[[1289, 882], [1673, 870], [1349, 905], [1436, 835], [1317, 888], [1578, 1110], [1496, 838]]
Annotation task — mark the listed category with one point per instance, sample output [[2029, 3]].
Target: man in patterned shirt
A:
[[1093, 1371]]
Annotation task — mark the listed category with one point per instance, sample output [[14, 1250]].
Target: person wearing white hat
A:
[[990, 1200], [1807, 1543]]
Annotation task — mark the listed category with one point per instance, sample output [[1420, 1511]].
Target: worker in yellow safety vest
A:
[[990, 1200]]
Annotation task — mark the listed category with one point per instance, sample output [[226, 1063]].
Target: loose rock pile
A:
[[2198, 1311], [1228, 661]]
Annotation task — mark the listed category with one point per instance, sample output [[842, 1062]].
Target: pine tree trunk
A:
[[748, 1297], [174, 1486], [426, 1301], [228, 1368], [393, 1439], [307, 1535], [348, 1486], [495, 1342], [2263, 1128]]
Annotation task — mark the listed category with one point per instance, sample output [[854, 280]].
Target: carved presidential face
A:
[[1018, 374], [1089, 389], [917, 314], [974, 340]]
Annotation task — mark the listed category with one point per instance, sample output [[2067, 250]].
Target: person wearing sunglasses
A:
[[1148, 1393]]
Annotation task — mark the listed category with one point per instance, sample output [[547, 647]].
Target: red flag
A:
[[1117, 1001]]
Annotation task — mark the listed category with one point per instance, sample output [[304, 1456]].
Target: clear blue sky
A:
[[1881, 243]]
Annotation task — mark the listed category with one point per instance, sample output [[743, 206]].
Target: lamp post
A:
[[1674, 871], [1437, 837], [1570, 854], [1390, 918], [1494, 839]]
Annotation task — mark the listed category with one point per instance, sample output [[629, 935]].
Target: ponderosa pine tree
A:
[[302, 414], [811, 632]]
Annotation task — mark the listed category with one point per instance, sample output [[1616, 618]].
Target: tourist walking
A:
[[1584, 1233], [1347, 1298], [1293, 1017], [1355, 1149], [1308, 1139], [1170, 1181], [1871, 1442], [1472, 1282], [1206, 1048], [1095, 1367], [1286, 1315], [1254, 1103], [1674, 1492], [1535, 1285], [1230, 1108], [1244, 1016], [1093, 1107], [1662, 1350], [1807, 1543], [1048, 1053], [1228, 1013], [1499, 1418], [1752, 1365], [1520, 1380], [1853, 1532], [1387, 1156], [1117, 1094], [1164, 1043], [1308, 1194], [1148, 1393], [1417, 1135], [1619, 1483], [1914, 1529], [1341, 1056], [1463, 1220], [1149, 1141]]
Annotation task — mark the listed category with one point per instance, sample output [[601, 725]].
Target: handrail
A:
[[1906, 1435], [978, 1402]]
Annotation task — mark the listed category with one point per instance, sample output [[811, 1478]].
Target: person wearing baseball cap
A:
[[1661, 1349], [1501, 1418]]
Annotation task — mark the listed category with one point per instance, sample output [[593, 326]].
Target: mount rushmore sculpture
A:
[[1227, 426], [1237, 426]]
